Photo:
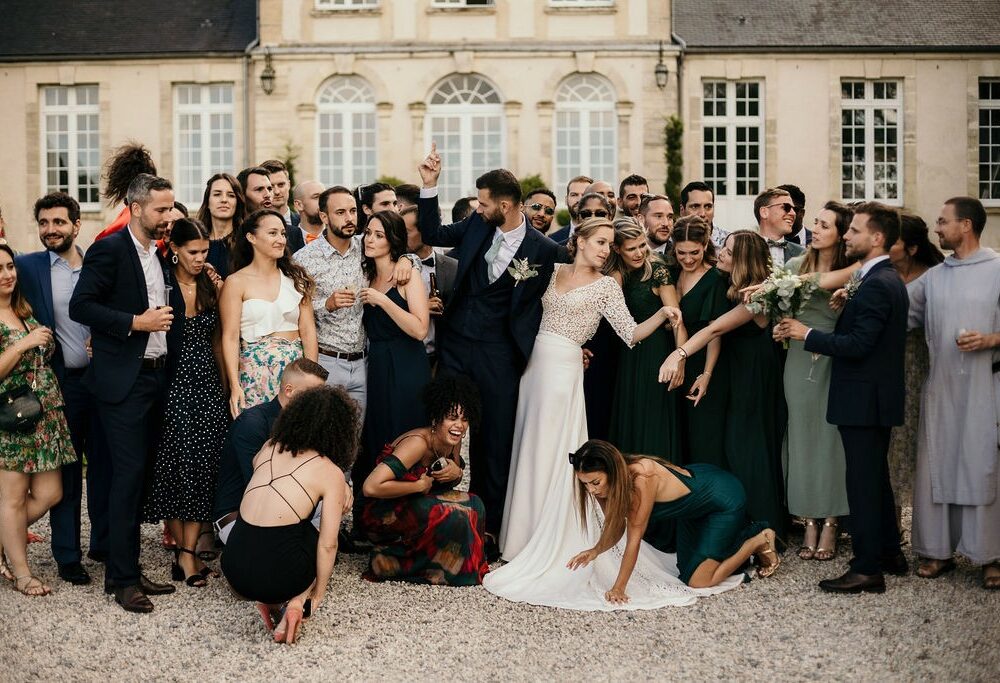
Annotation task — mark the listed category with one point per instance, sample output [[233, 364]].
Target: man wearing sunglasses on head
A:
[[540, 209], [775, 213]]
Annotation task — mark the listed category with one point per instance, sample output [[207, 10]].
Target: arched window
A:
[[345, 132], [586, 134], [465, 119]]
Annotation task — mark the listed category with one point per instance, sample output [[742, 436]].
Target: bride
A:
[[540, 532]]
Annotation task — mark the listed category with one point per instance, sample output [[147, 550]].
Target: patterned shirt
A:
[[341, 329]]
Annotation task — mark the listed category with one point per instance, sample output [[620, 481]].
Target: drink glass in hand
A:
[[166, 296], [961, 354]]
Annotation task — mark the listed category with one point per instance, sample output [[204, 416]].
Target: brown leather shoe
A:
[[151, 588], [132, 599], [852, 582]]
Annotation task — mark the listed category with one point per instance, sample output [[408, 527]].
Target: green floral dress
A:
[[49, 446]]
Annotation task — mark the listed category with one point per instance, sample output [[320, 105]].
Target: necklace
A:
[[190, 285]]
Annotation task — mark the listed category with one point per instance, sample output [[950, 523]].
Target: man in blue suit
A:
[[47, 279], [121, 296], [492, 318], [866, 394]]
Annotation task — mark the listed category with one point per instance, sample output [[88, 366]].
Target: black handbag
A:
[[20, 409]]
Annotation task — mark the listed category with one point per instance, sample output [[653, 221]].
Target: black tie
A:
[[429, 261], [780, 244]]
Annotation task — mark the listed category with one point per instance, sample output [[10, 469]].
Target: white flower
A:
[[521, 270]]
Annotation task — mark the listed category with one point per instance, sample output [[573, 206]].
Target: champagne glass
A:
[[812, 366], [166, 296], [961, 354]]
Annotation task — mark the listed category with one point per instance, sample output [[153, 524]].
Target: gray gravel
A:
[[780, 629]]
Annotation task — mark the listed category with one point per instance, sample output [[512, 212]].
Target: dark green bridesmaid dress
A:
[[644, 418], [702, 435], [711, 520], [755, 421]]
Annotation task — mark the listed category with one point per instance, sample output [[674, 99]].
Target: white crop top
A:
[[261, 317]]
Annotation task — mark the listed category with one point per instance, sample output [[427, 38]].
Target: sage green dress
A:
[[703, 438], [812, 454], [644, 418]]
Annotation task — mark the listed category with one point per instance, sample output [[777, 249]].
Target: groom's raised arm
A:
[[429, 210], [874, 309]]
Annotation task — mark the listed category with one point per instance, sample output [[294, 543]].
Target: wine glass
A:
[[166, 296], [812, 366], [961, 354]]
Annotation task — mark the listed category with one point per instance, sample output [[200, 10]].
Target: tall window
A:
[[871, 115], [346, 153], [465, 119], [71, 155], [733, 137], [989, 140], [586, 134], [203, 136]]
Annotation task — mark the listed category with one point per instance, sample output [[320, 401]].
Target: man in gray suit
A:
[[775, 213], [442, 268]]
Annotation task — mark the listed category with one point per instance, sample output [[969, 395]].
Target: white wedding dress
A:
[[541, 528]]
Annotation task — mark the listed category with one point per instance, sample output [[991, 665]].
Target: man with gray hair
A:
[[122, 296]]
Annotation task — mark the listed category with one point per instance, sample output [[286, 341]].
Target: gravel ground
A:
[[783, 628]]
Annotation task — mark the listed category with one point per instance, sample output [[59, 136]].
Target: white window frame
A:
[[205, 109], [350, 176], [987, 104], [71, 111], [585, 108], [869, 104], [731, 121], [340, 5], [465, 112], [581, 3], [471, 4]]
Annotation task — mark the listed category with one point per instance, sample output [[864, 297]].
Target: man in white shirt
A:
[[775, 212]]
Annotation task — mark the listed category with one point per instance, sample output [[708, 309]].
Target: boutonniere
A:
[[521, 270], [851, 288]]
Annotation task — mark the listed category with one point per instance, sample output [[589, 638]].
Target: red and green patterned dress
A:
[[434, 537]]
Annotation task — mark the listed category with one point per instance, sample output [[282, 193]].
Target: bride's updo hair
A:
[[586, 230]]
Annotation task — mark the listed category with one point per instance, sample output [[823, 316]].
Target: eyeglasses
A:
[[599, 213], [786, 207], [549, 211]]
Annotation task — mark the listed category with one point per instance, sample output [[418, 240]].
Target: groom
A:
[[493, 316], [866, 393]]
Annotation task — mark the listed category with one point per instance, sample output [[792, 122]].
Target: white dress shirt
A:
[[508, 247], [155, 291], [865, 269]]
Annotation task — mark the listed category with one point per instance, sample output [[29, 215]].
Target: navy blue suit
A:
[[111, 290], [560, 236], [491, 332], [35, 280], [294, 238], [866, 400]]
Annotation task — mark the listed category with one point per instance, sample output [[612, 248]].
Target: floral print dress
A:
[[48, 447]]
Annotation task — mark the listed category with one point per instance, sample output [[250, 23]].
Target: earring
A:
[[173, 259]]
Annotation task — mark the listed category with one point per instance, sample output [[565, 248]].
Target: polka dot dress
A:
[[194, 426]]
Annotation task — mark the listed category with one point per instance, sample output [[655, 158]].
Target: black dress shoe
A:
[[97, 555], [896, 565], [132, 599], [74, 573], [852, 582], [151, 588], [491, 548]]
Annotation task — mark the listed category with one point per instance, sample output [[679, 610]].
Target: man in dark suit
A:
[[774, 209], [491, 323], [437, 269], [47, 279], [122, 297], [866, 394], [574, 190]]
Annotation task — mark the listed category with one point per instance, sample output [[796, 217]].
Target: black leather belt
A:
[[341, 355], [154, 363]]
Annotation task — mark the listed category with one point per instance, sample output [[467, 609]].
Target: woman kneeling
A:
[[284, 565], [423, 531], [642, 494]]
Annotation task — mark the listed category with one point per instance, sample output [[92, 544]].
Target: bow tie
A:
[[780, 244], [310, 237], [429, 261]]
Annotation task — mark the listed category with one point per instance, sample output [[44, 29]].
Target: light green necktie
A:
[[491, 256]]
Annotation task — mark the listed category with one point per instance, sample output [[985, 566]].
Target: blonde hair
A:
[[751, 262], [615, 262], [585, 230]]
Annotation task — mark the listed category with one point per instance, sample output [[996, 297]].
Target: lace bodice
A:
[[577, 313]]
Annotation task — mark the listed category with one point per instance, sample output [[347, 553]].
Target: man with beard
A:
[[257, 188], [307, 210], [47, 279], [630, 192], [121, 296], [656, 217], [574, 190], [540, 209]]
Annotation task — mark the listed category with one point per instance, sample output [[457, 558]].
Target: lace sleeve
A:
[[616, 312]]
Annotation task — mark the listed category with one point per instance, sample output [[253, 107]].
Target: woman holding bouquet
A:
[[755, 424], [815, 479]]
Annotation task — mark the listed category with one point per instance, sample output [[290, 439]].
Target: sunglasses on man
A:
[[599, 213], [785, 206], [549, 211]]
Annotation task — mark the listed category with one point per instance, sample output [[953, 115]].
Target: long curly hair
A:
[[322, 419], [395, 233], [447, 393], [751, 262], [242, 252], [188, 230], [125, 164]]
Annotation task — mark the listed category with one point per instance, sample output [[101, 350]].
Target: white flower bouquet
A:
[[782, 295]]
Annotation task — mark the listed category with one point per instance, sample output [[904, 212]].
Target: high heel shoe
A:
[[827, 554], [766, 570], [196, 580], [808, 552]]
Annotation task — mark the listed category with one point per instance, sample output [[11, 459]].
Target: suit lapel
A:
[[527, 251], [44, 274], [133, 257]]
